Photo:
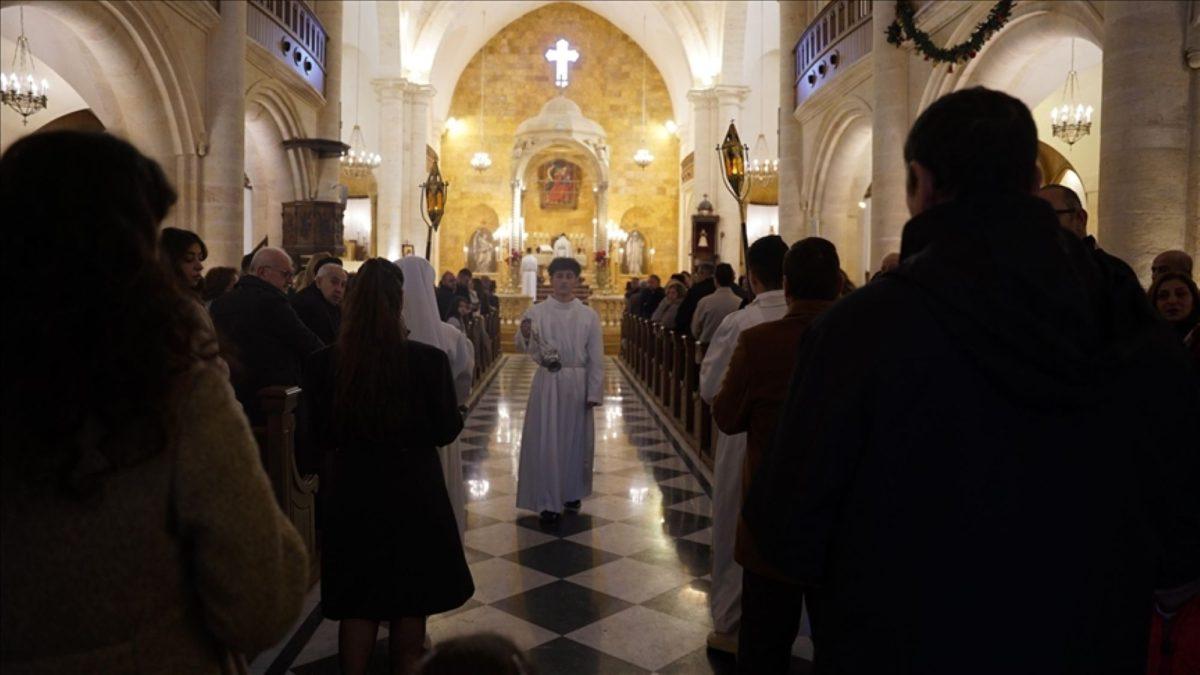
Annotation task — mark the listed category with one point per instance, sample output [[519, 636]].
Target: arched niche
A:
[[542, 221], [276, 175]]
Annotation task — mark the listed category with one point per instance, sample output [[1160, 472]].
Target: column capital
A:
[[723, 93], [389, 88], [418, 93]]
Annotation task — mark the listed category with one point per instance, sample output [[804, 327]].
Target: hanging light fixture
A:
[[642, 157], [1072, 120], [481, 161], [358, 162], [762, 165], [21, 90]]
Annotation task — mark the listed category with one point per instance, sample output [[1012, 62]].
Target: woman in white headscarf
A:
[[421, 318]]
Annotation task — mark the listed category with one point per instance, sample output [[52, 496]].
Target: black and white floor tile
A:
[[621, 587]]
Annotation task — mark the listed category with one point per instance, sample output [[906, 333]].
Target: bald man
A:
[[268, 340], [1067, 208], [1167, 262]]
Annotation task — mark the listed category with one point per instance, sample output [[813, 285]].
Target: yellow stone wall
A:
[[606, 82]]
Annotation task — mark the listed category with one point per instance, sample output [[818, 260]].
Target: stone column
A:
[[223, 168], [602, 216], [389, 176], [329, 118], [889, 128], [518, 221], [792, 22], [1144, 146], [712, 110], [416, 119]]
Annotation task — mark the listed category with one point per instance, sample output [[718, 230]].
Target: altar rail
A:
[[664, 362]]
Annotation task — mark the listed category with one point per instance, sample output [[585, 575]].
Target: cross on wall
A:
[[560, 56]]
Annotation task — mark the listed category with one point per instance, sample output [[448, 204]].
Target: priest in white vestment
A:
[[765, 262], [420, 315], [562, 335], [529, 274]]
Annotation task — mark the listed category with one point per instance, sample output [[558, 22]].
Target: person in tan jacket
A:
[[139, 531], [749, 399]]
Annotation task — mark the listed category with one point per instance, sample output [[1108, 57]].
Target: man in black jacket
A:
[[445, 293], [702, 285], [997, 436], [649, 297], [268, 342], [319, 304]]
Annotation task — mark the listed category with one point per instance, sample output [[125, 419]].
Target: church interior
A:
[[637, 138]]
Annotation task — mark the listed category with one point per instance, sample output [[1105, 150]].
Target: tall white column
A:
[[416, 116], [389, 177], [792, 22], [602, 216], [889, 128], [223, 168], [329, 119], [1144, 145], [712, 110]]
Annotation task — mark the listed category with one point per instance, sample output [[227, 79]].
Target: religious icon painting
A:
[[481, 252], [558, 181], [633, 256], [406, 250]]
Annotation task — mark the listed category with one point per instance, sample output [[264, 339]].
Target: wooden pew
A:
[[295, 494]]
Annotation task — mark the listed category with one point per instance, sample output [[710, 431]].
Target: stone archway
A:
[[276, 175], [115, 56], [843, 173]]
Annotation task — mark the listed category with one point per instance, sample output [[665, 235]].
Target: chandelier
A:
[[358, 162], [642, 156], [20, 90], [1072, 120], [481, 161], [762, 166]]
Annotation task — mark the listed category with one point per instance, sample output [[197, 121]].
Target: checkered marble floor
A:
[[621, 587]]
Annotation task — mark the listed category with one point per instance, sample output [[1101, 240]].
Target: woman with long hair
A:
[[184, 253], [140, 533], [382, 404]]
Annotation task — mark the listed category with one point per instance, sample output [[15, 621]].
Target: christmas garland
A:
[[904, 28]]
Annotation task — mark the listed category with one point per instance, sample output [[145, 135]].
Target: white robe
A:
[[462, 367], [725, 598], [529, 274], [421, 318], [557, 440]]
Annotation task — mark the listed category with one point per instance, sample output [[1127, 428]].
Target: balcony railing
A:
[[290, 30], [839, 36]]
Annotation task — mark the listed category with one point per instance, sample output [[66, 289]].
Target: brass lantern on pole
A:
[[433, 198], [733, 155]]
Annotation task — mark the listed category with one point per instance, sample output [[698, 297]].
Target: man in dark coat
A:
[[702, 286], [319, 304], [268, 341], [445, 293], [651, 295], [986, 461]]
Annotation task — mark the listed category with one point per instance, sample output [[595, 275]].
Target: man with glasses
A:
[[1067, 207], [264, 336]]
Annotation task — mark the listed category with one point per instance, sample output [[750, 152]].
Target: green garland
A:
[[904, 29]]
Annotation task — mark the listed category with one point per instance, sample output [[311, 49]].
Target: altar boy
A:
[[562, 335]]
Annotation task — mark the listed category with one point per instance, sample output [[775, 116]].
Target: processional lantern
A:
[[733, 155], [433, 196]]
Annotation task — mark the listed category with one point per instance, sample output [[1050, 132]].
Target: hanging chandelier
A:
[[21, 90], [358, 162], [1072, 120], [481, 161], [642, 156], [762, 167]]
